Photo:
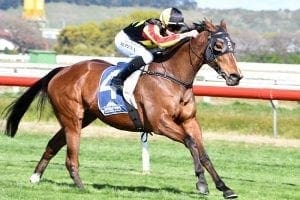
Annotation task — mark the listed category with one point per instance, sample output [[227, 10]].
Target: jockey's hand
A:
[[193, 33]]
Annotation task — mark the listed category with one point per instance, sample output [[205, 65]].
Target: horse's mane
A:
[[161, 55]]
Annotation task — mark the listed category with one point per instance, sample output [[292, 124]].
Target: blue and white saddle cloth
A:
[[112, 101]]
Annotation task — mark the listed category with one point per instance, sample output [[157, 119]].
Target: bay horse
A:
[[164, 97]]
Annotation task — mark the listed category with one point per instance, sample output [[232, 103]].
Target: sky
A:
[[250, 4]]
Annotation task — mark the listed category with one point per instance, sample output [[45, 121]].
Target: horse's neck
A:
[[189, 58]]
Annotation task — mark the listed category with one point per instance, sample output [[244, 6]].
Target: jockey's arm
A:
[[152, 32], [169, 32]]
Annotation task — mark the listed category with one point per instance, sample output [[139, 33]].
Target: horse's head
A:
[[219, 52]]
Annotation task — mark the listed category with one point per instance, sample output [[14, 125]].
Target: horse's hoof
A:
[[35, 178], [79, 184], [81, 187], [229, 194], [202, 188]]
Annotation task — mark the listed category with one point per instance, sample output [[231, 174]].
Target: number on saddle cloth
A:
[[110, 100]]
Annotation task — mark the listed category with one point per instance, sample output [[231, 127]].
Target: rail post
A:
[[274, 108], [145, 154]]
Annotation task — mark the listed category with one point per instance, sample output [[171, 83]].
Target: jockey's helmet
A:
[[171, 16]]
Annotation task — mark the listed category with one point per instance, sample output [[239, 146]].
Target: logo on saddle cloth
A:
[[112, 101]]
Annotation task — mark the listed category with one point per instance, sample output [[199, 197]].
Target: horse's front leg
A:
[[195, 143], [172, 130], [201, 185], [220, 185]]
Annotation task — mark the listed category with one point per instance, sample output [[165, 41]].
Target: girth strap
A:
[[134, 116]]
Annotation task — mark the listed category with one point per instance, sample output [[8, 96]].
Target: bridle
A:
[[211, 53]]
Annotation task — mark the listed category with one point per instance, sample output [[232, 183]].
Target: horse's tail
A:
[[15, 111]]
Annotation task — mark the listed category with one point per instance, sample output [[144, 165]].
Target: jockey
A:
[[138, 38]]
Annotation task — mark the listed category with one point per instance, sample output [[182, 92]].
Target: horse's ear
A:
[[223, 24], [209, 25]]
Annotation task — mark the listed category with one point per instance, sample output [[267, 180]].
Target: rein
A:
[[171, 78], [175, 80], [194, 52]]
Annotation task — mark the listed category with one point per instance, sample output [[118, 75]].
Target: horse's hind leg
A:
[[71, 137], [72, 163], [53, 146], [73, 125]]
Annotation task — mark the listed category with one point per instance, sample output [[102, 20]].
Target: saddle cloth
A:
[[112, 101]]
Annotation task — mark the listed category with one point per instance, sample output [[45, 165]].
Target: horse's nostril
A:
[[235, 77]]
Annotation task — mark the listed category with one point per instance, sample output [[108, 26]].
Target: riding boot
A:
[[132, 66]]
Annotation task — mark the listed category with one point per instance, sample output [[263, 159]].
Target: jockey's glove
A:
[[193, 33]]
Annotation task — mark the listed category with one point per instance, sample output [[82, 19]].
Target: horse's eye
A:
[[218, 46]]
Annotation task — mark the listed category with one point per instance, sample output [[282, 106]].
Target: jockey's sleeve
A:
[[152, 32], [169, 32]]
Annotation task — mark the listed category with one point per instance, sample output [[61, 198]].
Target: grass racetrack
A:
[[110, 168]]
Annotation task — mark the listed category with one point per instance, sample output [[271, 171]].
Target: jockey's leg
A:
[[140, 54], [135, 64]]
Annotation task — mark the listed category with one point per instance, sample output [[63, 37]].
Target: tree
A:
[[26, 35], [96, 39]]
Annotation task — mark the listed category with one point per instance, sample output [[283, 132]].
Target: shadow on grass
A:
[[128, 188], [136, 188], [71, 185], [255, 181], [148, 189]]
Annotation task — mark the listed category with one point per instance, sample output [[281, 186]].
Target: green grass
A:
[[111, 169]]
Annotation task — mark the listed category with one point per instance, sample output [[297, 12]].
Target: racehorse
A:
[[165, 101]]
